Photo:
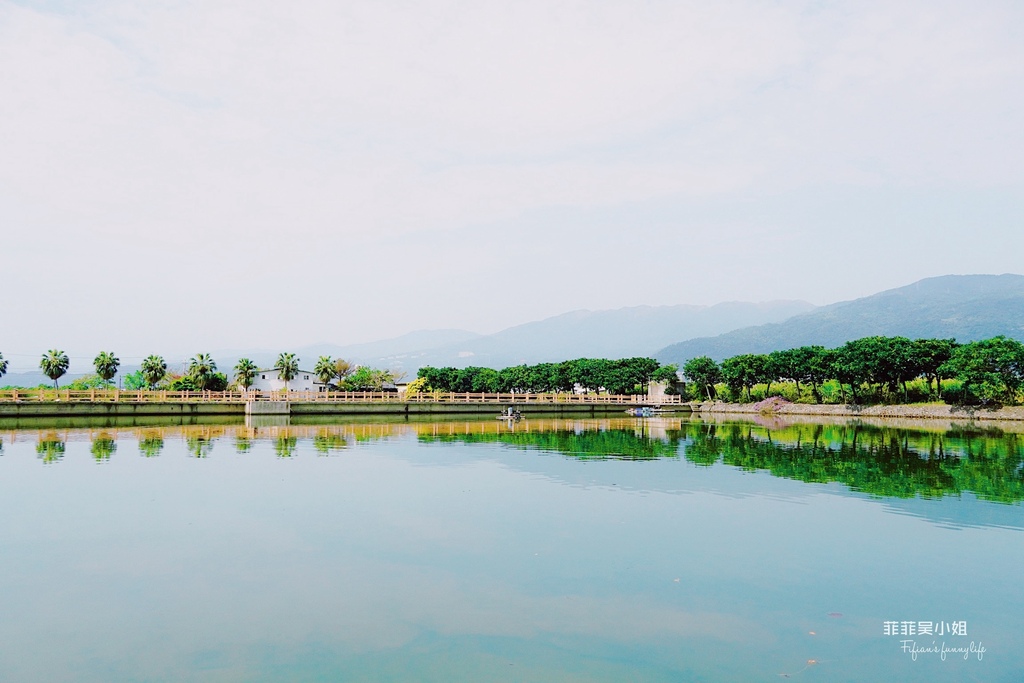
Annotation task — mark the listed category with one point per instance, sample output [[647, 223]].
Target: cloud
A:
[[210, 138]]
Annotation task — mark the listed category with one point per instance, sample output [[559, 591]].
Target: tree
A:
[[106, 364], [992, 370], [154, 369], [744, 371], [514, 380], [3, 365], [245, 373], [439, 379], [633, 372], [370, 379], [816, 365], [134, 381], [287, 367], [704, 373], [325, 369], [342, 369], [667, 374], [931, 355], [852, 365], [54, 364], [201, 370]]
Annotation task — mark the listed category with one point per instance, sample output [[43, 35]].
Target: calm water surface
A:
[[549, 550]]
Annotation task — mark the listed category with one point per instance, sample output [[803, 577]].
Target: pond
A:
[[544, 550]]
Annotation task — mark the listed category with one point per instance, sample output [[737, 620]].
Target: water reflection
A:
[[199, 446], [50, 448], [103, 446], [243, 443], [327, 441], [151, 443], [877, 459], [285, 445]]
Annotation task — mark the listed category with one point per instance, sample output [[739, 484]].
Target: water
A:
[[548, 550]]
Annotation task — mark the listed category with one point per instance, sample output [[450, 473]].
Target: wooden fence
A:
[[159, 396]]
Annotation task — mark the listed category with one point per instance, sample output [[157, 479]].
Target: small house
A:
[[270, 380]]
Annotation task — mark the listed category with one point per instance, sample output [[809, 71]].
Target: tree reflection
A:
[[882, 461], [151, 444], [243, 444], [284, 446], [326, 441], [103, 446], [50, 449], [199, 446], [619, 444]]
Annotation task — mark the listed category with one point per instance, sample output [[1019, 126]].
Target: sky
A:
[[178, 177]]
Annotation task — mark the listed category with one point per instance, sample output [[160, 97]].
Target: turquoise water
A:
[[561, 550]]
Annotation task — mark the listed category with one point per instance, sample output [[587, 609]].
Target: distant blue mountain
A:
[[616, 333], [964, 307]]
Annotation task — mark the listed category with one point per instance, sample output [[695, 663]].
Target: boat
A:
[[510, 413], [643, 411]]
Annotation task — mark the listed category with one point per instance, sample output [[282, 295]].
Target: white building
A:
[[270, 380]]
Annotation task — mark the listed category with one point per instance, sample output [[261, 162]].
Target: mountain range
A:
[[962, 307]]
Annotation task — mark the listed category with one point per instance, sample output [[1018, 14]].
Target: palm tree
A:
[[3, 365], [154, 369], [54, 364], [106, 365], [245, 373], [287, 367], [325, 369], [201, 369]]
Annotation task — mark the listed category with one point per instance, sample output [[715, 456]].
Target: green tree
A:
[[245, 373], [287, 367], [201, 370], [703, 373], [54, 364], [154, 369], [562, 377], [848, 366], [744, 371], [3, 365], [932, 355], [106, 364], [992, 370], [815, 363], [325, 369], [666, 373], [134, 381], [515, 380], [370, 379], [439, 379]]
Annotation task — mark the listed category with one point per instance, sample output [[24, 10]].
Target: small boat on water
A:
[[643, 411], [510, 413]]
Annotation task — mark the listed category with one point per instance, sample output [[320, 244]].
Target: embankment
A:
[[912, 411], [33, 409]]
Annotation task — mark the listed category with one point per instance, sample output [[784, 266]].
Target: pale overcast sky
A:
[[178, 177]]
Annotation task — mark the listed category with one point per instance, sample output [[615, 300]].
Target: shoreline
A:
[[896, 411], [196, 409]]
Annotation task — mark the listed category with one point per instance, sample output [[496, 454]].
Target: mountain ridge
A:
[[964, 307]]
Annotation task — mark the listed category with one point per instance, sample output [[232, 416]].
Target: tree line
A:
[[622, 376], [871, 369], [201, 373]]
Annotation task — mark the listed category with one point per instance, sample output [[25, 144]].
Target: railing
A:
[[160, 396]]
